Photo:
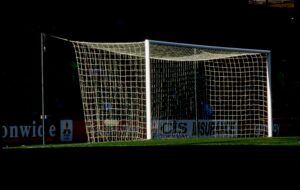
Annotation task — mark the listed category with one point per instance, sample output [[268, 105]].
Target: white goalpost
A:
[[157, 89]]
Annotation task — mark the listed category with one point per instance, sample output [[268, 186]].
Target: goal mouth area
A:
[[183, 86]]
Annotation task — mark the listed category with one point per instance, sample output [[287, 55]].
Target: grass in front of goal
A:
[[274, 141]]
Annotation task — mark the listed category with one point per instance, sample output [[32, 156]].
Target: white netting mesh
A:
[[211, 92]]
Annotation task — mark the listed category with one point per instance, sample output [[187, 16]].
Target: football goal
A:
[[157, 89]]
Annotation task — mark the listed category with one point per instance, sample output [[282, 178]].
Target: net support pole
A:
[[42, 85], [195, 89], [148, 90], [269, 96]]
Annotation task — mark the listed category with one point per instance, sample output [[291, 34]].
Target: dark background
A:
[[220, 23]]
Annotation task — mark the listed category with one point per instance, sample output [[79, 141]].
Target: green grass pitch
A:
[[274, 141]]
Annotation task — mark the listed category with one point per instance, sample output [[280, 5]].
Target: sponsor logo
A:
[[26, 131], [189, 128], [66, 130], [60, 131]]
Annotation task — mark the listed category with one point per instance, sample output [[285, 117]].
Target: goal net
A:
[[156, 89]]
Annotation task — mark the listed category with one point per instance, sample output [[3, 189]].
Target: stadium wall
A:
[[73, 131]]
